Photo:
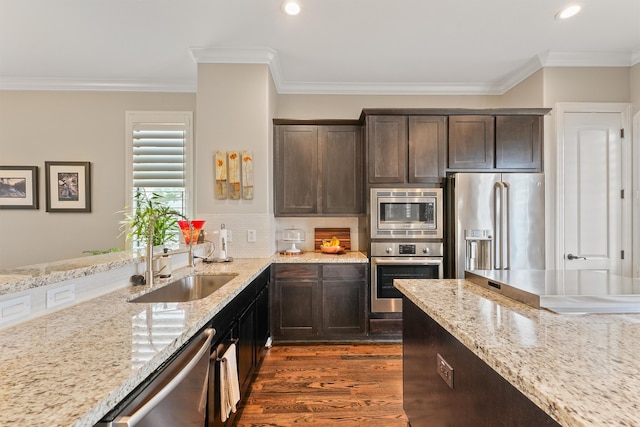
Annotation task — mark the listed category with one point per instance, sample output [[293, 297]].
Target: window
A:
[[159, 146]]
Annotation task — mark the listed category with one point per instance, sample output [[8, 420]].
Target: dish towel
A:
[[229, 385]]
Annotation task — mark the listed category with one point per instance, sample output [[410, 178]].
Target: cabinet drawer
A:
[[296, 271], [344, 271]]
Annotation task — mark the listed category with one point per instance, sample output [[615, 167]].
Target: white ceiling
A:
[[333, 46]]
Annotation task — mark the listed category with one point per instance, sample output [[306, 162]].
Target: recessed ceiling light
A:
[[291, 7], [568, 12]]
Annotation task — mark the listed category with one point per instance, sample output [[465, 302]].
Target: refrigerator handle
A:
[[497, 225], [507, 220]]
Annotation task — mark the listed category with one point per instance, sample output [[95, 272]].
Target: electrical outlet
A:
[[251, 236]]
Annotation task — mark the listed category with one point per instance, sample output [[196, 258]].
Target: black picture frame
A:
[[68, 186], [19, 187]]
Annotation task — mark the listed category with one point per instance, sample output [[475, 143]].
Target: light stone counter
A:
[[319, 257], [70, 367], [583, 370]]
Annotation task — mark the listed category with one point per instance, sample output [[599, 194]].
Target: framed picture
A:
[[68, 186], [18, 187]]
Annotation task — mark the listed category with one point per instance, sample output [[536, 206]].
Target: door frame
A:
[[636, 194], [628, 162]]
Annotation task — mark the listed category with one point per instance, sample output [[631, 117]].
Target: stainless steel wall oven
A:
[[401, 260]]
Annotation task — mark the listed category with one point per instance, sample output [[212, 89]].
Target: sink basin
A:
[[187, 289]]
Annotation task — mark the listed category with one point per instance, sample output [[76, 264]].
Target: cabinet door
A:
[[427, 142], [296, 170], [246, 346], [340, 158], [343, 307], [344, 298], [295, 301], [262, 322], [518, 142], [387, 148], [471, 142]]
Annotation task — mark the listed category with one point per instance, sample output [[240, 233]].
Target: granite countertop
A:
[[72, 366], [580, 369]]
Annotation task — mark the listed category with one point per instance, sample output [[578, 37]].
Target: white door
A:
[[592, 171]]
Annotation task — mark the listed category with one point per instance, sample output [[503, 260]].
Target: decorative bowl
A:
[[331, 249]]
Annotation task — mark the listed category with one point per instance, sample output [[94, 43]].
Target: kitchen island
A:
[[70, 367], [582, 370]]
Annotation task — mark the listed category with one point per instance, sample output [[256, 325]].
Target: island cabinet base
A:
[[479, 397]]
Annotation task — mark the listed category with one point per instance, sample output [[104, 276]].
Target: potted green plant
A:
[[146, 208]]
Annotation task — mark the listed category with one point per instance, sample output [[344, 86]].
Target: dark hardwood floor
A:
[[327, 385]]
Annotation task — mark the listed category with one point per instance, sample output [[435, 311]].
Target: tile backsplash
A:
[[268, 232]]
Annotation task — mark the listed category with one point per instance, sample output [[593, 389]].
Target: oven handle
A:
[[422, 261]]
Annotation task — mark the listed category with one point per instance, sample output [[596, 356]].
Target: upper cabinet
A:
[[471, 142], [405, 149], [504, 142], [318, 170], [519, 142]]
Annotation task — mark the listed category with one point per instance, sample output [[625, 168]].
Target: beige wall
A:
[[233, 114], [526, 94], [69, 126], [234, 108], [350, 106]]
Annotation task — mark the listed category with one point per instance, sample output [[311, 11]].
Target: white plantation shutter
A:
[[159, 155]]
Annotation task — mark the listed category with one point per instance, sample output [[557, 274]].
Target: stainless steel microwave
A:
[[406, 213]]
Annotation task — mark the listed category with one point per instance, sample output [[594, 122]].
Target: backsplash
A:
[[268, 230]]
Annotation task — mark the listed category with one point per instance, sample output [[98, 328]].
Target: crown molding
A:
[[264, 55], [586, 59], [93, 85]]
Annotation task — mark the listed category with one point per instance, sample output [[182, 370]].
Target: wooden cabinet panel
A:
[[294, 308], [406, 149], [343, 307], [479, 397], [318, 170], [471, 142], [427, 145], [330, 305], [387, 138], [340, 149], [296, 169], [519, 142]]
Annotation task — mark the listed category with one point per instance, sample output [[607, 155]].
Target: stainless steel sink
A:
[[186, 289]]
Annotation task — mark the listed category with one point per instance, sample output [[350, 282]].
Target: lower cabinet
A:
[[245, 323], [472, 395], [319, 301]]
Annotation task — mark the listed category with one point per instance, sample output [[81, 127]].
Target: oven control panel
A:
[[407, 249], [400, 249]]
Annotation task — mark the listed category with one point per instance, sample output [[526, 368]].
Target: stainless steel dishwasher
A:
[[177, 396]]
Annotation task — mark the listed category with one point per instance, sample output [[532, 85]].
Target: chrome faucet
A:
[[149, 274]]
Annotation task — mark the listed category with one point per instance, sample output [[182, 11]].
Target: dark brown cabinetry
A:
[[478, 396], [519, 142], [405, 149], [318, 301], [318, 170], [495, 142], [471, 142]]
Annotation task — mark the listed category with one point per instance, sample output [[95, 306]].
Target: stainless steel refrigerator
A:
[[496, 222]]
